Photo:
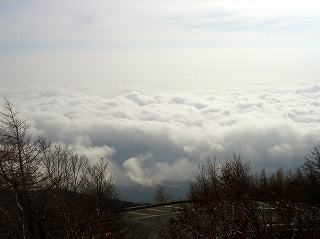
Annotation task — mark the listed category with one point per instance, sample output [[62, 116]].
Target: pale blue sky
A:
[[100, 42]]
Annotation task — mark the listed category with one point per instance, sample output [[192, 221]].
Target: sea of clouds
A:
[[151, 137]]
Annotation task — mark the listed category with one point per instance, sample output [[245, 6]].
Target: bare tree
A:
[[160, 195], [21, 173], [84, 197], [311, 169], [312, 163], [103, 198], [226, 201], [67, 172], [49, 191]]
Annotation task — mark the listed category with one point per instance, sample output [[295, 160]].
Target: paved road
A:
[[151, 219]]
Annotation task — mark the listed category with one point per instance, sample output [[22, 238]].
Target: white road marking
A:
[[138, 213], [150, 209], [158, 215]]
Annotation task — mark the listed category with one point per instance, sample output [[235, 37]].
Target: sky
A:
[[159, 87]]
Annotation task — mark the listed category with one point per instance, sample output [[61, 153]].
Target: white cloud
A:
[[144, 169], [150, 137], [137, 172], [279, 150], [175, 171]]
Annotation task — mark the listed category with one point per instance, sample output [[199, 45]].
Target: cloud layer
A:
[[150, 137]]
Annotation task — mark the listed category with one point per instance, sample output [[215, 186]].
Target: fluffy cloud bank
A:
[[150, 137]]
